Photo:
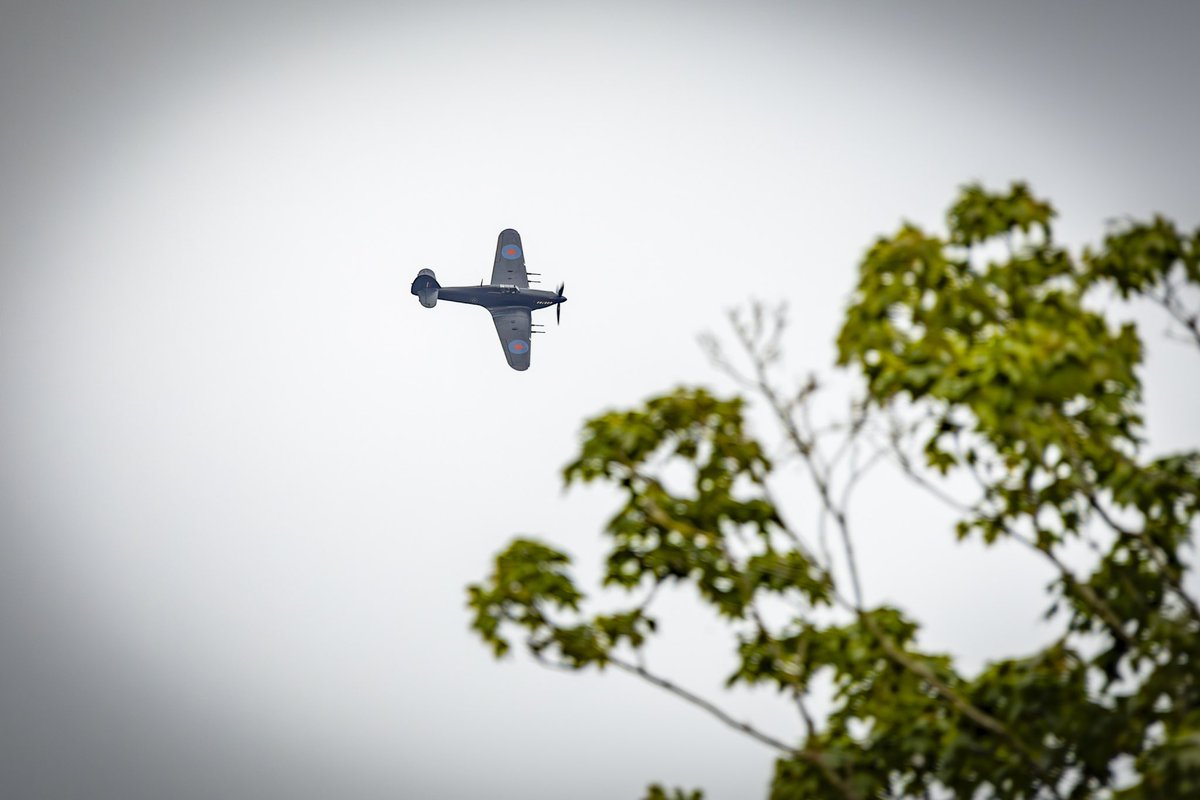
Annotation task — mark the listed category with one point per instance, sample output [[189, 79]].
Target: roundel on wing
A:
[[518, 347], [511, 251]]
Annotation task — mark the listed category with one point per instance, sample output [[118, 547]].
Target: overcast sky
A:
[[245, 476]]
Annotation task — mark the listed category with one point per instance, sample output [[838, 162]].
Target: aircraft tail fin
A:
[[425, 287]]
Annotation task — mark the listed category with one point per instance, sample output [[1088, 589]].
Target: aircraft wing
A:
[[513, 325], [509, 268]]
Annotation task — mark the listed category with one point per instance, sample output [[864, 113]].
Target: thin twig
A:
[[1173, 306], [1152, 550], [1084, 591], [821, 479]]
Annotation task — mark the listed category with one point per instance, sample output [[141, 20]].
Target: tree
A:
[[981, 354]]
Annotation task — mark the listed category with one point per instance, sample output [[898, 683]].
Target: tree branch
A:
[[806, 447], [1171, 304], [1152, 550], [910, 472], [814, 757], [1091, 492], [1085, 592], [964, 706]]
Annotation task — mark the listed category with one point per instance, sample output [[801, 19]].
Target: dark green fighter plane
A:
[[508, 297]]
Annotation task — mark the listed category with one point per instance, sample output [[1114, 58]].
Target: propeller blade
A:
[[558, 308]]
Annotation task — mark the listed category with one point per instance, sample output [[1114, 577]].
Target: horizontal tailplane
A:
[[425, 287]]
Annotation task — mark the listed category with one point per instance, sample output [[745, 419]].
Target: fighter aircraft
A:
[[508, 297]]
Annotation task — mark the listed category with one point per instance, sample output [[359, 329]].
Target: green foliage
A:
[[664, 535], [991, 337], [1007, 348], [528, 576], [1038, 395], [884, 712], [978, 215], [656, 792], [1142, 257]]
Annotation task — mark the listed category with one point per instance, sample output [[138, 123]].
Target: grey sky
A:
[[244, 476]]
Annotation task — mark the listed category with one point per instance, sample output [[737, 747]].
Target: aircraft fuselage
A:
[[490, 296]]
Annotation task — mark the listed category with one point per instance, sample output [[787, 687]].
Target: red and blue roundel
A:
[[518, 347], [510, 251]]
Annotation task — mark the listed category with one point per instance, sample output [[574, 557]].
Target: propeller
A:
[[558, 305]]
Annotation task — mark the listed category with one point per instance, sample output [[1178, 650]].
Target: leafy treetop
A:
[[984, 352]]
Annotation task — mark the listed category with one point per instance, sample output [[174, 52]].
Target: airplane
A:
[[508, 297]]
